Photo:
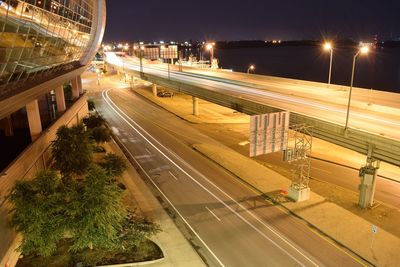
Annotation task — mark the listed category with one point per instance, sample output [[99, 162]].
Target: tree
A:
[[38, 213], [95, 211], [113, 164], [72, 150], [93, 121], [100, 134], [91, 104]]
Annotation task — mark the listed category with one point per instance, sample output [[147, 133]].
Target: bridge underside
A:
[[384, 149]]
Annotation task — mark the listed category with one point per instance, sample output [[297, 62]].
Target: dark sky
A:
[[147, 20]]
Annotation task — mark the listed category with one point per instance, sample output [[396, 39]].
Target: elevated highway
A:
[[374, 116]]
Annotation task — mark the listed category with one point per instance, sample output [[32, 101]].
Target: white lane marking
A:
[[162, 193], [279, 235], [148, 151], [146, 156], [160, 169], [170, 173], [115, 130], [216, 217]]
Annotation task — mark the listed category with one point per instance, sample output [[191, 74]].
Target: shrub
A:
[[72, 150]]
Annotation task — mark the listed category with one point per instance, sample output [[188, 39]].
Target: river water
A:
[[379, 70]]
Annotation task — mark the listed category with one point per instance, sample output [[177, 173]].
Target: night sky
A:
[[154, 20]]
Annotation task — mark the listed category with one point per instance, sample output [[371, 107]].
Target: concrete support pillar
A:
[[195, 106], [75, 88], [154, 90], [6, 125], [367, 185], [35, 124], [60, 99], [79, 79]]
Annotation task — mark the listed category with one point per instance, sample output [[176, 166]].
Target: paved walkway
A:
[[177, 250]]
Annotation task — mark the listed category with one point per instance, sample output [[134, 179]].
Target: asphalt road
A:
[[234, 224], [381, 118]]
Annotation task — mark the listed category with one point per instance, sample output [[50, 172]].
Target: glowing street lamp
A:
[[251, 68], [328, 47], [210, 47], [363, 51]]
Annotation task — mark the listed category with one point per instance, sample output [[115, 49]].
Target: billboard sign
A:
[[269, 133]]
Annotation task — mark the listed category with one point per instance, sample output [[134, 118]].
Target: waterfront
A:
[[379, 70]]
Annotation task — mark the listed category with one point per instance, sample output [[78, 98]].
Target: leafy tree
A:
[[100, 134], [113, 164], [38, 213], [93, 121], [91, 104], [96, 211], [72, 150]]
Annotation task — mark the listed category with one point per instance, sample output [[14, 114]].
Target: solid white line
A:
[[173, 175], [162, 193], [108, 100], [148, 151], [216, 217]]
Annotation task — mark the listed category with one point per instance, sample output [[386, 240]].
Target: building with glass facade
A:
[[45, 46], [39, 38]]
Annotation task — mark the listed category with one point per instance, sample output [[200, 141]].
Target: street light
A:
[[363, 51], [251, 68], [210, 47], [328, 47]]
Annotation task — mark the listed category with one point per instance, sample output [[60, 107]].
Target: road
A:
[[328, 104], [235, 225]]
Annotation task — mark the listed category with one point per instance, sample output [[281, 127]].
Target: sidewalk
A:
[[177, 250]]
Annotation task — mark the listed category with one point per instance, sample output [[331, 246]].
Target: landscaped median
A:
[[344, 227]]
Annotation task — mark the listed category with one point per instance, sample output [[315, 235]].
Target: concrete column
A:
[[75, 88], [367, 185], [6, 125], [195, 106], [154, 89], [35, 124], [79, 79], [60, 99]]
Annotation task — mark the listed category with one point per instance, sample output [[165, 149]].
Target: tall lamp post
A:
[[363, 50], [210, 47], [141, 52], [328, 47], [251, 68]]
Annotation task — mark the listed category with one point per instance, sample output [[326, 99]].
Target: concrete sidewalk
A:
[[177, 250]]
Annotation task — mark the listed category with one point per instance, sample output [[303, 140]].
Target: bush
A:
[[100, 134], [91, 104], [93, 121], [72, 150], [113, 164], [38, 213]]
